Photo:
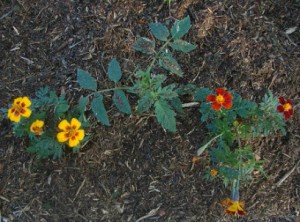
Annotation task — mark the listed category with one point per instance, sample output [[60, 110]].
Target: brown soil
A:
[[134, 167]]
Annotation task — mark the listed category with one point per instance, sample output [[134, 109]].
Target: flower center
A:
[[72, 132], [220, 99], [18, 108], [287, 107], [37, 130]]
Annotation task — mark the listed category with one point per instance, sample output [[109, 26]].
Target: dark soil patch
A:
[[133, 167]]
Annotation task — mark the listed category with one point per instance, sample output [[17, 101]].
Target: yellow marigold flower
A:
[[213, 172], [70, 132], [234, 208], [37, 127], [19, 108]]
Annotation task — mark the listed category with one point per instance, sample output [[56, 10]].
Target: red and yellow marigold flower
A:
[[285, 107], [71, 132], [221, 99], [19, 109], [234, 208], [213, 172], [37, 127]]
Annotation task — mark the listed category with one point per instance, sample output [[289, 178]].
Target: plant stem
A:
[[157, 54], [107, 90]]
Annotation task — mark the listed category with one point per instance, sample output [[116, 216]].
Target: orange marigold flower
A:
[[195, 159], [285, 107], [213, 172], [70, 132], [221, 99], [234, 208], [19, 108], [37, 127]]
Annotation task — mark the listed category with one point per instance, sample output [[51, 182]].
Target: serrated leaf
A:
[[176, 104], [183, 46], [85, 80], [165, 115], [114, 70], [168, 92], [99, 110], [201, 94], [157, 80], [145, 103], [61, 108], [121, 101], [144, 45], [180, 28], [160, 31], [170, 64]]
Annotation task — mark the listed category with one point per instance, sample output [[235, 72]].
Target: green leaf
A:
[[83, 101], [168, 92], [99, 110], [183, 46], [176, 104], [61, 108], [114, 70], [85, 80], [170, 64], [144, 45], [121, 101], [159, 31], [145, 103], [201, 94], [157, 80], [203, 148], [165, 115], [180, 28]]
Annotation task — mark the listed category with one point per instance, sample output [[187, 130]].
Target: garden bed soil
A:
[[135, 169]]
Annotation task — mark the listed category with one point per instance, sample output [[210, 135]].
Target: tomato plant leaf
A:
[[85, 80]]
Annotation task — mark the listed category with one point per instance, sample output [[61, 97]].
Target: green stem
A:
[[236, 182], [157, 55], [107, 90]]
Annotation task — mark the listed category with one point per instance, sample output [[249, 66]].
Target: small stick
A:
[[191, 104], [79, 189], [287, 174]]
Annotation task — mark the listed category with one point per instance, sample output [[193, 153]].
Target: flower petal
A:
[[15, 118], [64, 125], [216, 106], [26, 112], [39, 123], [281, 100], [220, 91], [26, 101], [211, 98], [227, 202], [75, 123], [17, 100], [227, 96], [80, 134], [280, 108], [62, 137], [227, 104], [286, 115], [73, 142], [289, 101]]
